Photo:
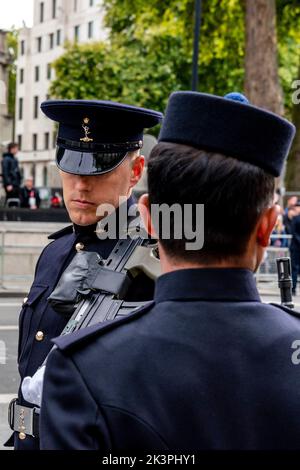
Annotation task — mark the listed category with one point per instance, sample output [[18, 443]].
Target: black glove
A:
[[75, 282]]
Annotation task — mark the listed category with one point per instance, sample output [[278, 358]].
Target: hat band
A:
[[109, 147]]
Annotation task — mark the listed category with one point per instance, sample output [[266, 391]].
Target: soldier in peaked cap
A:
[[98, 155], [221, 367]]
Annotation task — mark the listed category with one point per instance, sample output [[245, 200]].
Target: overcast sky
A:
[[14, 12]]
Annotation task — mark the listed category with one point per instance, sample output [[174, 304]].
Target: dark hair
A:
[[12, 145], [234, 194]]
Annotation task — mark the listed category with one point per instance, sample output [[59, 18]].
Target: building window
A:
[[34, 141], [19, 141], [46, 140], [41, 12], [22, 47], [20, 108], [90, 29], [75, 5], [36, 73], [45, 176], [58, 37], [51, 40], [91, 3], [35, 106], [49, 71], [53, 8], [32, 172], [39, 44], [76, 33], [21, 75], [54, 139]]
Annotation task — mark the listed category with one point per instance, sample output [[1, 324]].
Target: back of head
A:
[[224, 154], [28, 182]]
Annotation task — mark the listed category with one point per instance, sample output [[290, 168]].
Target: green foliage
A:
[[288, 26], [221, 40], [83, 72], [105, 71], [288, 18], [221, 67], [12, 45], [149, 53]]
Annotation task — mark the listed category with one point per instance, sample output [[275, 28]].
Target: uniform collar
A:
[[212, 284], [85, 230], [60, 233]]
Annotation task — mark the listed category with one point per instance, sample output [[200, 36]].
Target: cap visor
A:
[[85, 163]]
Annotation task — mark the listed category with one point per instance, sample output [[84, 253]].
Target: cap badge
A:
[[86, 131]]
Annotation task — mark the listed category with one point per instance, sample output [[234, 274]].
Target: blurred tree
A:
[[288, 12], [292, 175], [262, 85], [12, 45], [149, 53], [288, 28], [221, 37]]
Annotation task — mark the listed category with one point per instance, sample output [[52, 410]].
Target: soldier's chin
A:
[[83, 217]]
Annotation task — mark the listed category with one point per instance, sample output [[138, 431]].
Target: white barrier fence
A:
[[18, 257], [19, 252], [267, 271]]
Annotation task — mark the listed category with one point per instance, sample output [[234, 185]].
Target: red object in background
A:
[[55, 201]]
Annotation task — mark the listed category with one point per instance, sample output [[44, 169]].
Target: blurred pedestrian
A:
[[287, 219], [291, 202], [29, 195], [11, 172], [278, 238], [295, 246]]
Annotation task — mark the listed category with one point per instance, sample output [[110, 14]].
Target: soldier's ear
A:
[[265, 225], [144, 209], [137, 167]]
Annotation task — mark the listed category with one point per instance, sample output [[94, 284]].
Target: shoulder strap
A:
[[80, 336]]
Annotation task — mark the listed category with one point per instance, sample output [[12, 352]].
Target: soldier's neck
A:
[[169, 264], [85, 229]]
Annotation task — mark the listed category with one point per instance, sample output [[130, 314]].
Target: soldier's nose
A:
[[82, 183]]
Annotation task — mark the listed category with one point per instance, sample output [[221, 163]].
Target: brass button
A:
[[22, 436], [25, 300], [39, 336], [79, 246]]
